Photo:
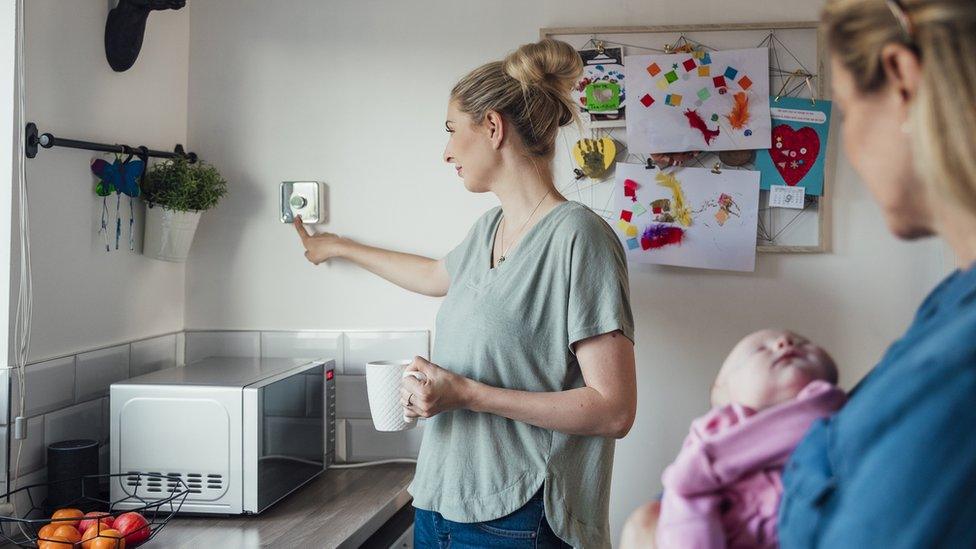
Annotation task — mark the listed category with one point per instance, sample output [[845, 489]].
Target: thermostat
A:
[[304, 198]]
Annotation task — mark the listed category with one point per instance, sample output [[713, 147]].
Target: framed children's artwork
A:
[[698, 101], [601, 91], [675, 101], [798, 151], [688, 217]]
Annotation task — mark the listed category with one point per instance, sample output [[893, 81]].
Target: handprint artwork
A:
[[594, 157]]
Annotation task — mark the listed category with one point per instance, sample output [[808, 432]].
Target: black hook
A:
[[144, 156]]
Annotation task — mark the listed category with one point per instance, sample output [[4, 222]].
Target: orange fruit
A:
[[47, 530], [105, 538], [55, 542], [108, 539], [91, 533], [69, 532], [62, 516]]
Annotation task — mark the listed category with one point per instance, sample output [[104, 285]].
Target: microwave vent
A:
[[205, 484]]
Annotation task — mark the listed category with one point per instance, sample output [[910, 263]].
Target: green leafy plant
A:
[[179, 185]]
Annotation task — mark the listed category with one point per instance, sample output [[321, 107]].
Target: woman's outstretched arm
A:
[[419, 274]]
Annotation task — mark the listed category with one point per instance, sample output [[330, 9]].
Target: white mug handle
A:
[[419, 377]]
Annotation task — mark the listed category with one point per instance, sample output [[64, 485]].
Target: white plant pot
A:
[[169, 233]]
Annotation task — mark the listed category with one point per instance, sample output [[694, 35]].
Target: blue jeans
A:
[[526, 527]]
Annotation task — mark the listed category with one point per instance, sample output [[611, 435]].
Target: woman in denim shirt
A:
[[896, 467]]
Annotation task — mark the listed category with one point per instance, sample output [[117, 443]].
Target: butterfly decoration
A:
[[119, 177]]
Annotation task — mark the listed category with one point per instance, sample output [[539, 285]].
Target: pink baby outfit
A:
[[724, 488]]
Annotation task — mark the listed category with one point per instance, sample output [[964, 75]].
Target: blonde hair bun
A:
[[550, 64], [530, 87]]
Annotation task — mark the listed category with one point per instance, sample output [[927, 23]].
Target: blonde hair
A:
[[943, 35], [529, 88]]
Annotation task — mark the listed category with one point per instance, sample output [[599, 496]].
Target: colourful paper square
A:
[[622, 225], [671, 76], [647, 100], [704, 94], [704, 70], [632, 231], [689, 65], [632, 244], [706, 59], [674, 100], [638, 209], [745, 82], [662, 84], [654, 69], [626, 215], [631, 185], [719, 81], [646, 243], [730, 73]]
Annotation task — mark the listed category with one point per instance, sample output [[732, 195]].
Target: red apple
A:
[[91, 517], [133, 526]]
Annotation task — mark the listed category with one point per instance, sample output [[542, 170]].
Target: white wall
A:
[[354, 94], [86, 298]]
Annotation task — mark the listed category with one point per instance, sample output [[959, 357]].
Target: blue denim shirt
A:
[[896, 467]]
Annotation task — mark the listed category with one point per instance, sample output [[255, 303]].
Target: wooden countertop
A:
[[341, 508]]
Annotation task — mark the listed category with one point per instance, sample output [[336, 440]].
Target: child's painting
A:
[[690, 217], [698, 101], [799, 145], [601, 91]]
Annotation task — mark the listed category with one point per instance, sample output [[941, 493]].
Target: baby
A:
[[723, 490]]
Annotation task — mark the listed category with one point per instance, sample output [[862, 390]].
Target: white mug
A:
[[383, 378]]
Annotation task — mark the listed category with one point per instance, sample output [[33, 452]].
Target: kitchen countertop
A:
[[341, 508]]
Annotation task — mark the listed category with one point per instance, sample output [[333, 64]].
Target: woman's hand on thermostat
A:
[[440, 391], [318, 247]]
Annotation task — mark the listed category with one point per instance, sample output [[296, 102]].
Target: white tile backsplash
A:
[[302, 345], [200, 345], [351, 401], [181, 349], [55, 386], [364, 442], [50, 386], [96, 370], [21, 501], [81, 421], [33, 456], [153, 354], [363, 347]]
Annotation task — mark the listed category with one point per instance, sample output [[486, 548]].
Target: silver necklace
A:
[[501, 258]]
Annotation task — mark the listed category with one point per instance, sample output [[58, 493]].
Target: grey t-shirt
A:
[[513, 327]]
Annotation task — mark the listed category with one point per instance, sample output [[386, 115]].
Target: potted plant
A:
[[177, 192]]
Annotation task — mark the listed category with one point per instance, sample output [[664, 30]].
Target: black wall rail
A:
[[47, 141]]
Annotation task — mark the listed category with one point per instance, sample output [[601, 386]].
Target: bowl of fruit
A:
[[89, 521]]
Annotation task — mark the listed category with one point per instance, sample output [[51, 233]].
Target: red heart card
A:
[[794, 152]]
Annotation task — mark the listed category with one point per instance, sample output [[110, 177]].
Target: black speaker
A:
[[66, 462]]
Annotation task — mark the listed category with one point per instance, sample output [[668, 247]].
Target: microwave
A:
[[240, 433]]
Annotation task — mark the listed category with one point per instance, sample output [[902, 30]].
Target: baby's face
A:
[[769, 367]]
